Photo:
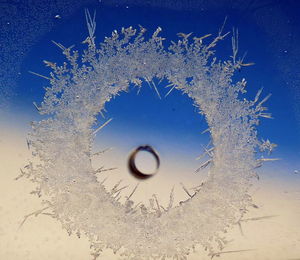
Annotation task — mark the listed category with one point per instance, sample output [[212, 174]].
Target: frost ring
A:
[[62, 143]]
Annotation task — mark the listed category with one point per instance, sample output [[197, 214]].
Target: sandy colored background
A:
[[41, 237]]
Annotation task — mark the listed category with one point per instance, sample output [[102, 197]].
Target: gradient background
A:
[[269, 33]]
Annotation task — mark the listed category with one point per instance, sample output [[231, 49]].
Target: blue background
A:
[[172, 124]]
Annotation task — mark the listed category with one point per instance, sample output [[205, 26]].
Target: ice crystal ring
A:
[[62, 143]]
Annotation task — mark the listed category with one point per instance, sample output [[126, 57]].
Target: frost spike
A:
[[204, 165], [247, 64], [185, 36], [104, 181], [105, 170], [136, 207], [205, 131], [169, 85], [170, 91], [231, 251], [196, 188], [91, 24], [103, 151], [124, 187], [101, 114], [265, 115], [98, 170], [28, 144], [154, 86], [158, 30], [223, 25], [35, 213], [257, 95], [201, 38], [35, 105], [219, 37], [40, 75], [100, 127], [116, 186], [186, 190], [20, 175], [208, 151], [59, 45], [235, 44], [268, 159], [157, 204], [156, 90], [160, 81], [171, 199], [50, 64], [240, 227], [258, 218], [136, 186], [264, 100]]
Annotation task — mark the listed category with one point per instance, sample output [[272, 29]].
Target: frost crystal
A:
[[62, 143]]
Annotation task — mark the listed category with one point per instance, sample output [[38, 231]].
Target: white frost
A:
[[62, 143]]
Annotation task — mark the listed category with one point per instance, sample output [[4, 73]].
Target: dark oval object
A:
[[132, 166]]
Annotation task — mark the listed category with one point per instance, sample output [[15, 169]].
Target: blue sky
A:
[[173, 123]]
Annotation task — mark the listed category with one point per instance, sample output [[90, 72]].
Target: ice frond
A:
[[78, 91], [91, 24]]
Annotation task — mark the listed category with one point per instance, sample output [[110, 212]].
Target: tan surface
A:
[[42, 237]]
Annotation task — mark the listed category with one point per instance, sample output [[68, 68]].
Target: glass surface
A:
[[268, 36]]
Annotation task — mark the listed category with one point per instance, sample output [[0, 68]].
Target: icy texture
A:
[[62, 143]]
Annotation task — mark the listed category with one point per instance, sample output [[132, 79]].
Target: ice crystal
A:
[[78, 91]]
